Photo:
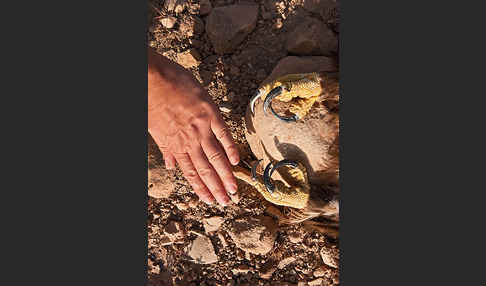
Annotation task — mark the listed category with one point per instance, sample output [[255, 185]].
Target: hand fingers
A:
[[168, 159], [219, 161], [208, 175], [223, 134], [193, 178]]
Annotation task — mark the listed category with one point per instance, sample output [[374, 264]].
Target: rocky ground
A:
[[232, 47]]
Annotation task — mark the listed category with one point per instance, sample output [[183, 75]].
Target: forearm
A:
[[159, 74], [165, 76], [158, 65]]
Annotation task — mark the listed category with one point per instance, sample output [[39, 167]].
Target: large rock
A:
[[212, 224], [228, 26], [254, 234], [312, 37], [313, 140], [330, 256], [201, 250]]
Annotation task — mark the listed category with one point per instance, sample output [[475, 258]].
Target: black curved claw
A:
[[270, 96], [270, 169], [253, 170], [292, 118], [268, 104], [266, 179]]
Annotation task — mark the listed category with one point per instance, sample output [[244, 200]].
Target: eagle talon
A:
[[266, 179], [271, 168], [268, 104], [292, 118]]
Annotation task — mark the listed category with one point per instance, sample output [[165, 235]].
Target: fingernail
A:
[[226, 202], [168, 166], [208, 202], [234, 161], [232, 189]]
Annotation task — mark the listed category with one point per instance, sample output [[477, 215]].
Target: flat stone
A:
[[330, 256], [201, 250], [189, 58], [228, 26], [312, 37], [212, 223], [254, 234]]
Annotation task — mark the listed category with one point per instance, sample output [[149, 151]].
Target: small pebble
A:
[[319, 272], [168, 22], [241, 269], [193, 203], [182, 206], [225, 109]]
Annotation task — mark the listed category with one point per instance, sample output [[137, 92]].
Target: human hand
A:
[[189, 130]]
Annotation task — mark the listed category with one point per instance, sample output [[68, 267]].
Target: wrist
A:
[[156, 80]]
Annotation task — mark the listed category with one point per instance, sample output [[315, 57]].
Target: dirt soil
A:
[[184, 247]]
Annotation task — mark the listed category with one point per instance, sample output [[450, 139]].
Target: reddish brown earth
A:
[[231, 50]]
